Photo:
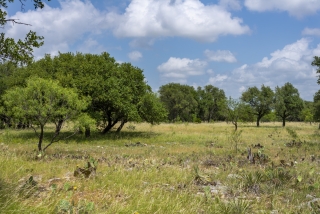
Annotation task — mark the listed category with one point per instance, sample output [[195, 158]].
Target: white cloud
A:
[[242, 89], [218, 78], [230, 4], [297, 8], [188, 18], [182, 68], [61, 27], [311, 31], [290, 64], [135, 55], [220, 56]]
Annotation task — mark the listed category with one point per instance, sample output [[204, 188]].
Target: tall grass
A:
[[151, 169]]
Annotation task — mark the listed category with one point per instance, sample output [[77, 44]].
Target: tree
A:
[[41, 102], [235, 111], [260, 101], [115, 90], [19, 52], [151, 109], [307, 113], [288, 103], [316, 101], [6, 70], [211, 102], [179, 100], [316, 62]]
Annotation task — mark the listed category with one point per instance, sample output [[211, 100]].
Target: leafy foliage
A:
[[288, 103], [18, 52], [260, 101], [43, 101], [211, 103], [180, 101], [316, 62]]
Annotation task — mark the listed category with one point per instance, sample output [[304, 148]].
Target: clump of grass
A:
[[236, 206]]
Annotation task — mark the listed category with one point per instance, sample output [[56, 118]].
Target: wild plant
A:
[[235, 139], [236, 206]]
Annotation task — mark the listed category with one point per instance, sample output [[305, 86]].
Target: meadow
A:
[[166, 168]]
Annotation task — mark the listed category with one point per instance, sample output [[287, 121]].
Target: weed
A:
[[236, 206], [235, 139]]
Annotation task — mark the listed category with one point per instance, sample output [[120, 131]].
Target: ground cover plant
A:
[[166, 168]]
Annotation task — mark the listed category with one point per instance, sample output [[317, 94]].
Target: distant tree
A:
[[19, 52], [316, 62], [211, 103], [260, 101], [179, 100], [307, 113], [288, 103], [151, 109], [41, 102], [316, 101], [236, 111]]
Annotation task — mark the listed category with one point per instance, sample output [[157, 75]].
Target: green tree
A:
[[288, 103], [151, 109], [236, 111], [115, 89], [179, 100], [211, 103], [307, 113], [6, 70], [316, 101], [316, 62], [260, 101], [42, 102], [19, 52]]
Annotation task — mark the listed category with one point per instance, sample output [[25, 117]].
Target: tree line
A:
[[94, 91]]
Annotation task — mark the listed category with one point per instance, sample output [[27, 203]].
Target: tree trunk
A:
[[258, 121], [235, 123], [319, 125], [40, 138], [283, 122], [121, 125], [110, 125], [87, 132], [59, 126]]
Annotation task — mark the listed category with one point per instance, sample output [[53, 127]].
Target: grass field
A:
[[167, 168]]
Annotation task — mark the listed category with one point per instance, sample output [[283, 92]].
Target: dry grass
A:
[[175, 168]]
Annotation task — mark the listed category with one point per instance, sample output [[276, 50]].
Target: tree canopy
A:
[[211, 103], [179, 100], [316, 62], [43, 101], [288, 103], [260, 101], [18, 52], [117, 92]]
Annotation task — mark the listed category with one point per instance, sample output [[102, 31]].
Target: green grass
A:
[[175, 168]]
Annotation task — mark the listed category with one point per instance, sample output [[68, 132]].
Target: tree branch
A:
[[14, 21]]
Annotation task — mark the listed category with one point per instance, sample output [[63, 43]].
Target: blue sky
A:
[[231, 44]]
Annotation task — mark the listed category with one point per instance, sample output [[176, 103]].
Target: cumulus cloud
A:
[[135, 55], [216, 79], [311, 31], [220, 56], [61, 27], [297, 8], [290, 64], [188, 18], [182, 68]]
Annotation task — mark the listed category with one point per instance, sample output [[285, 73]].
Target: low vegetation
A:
[[167, 168]]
